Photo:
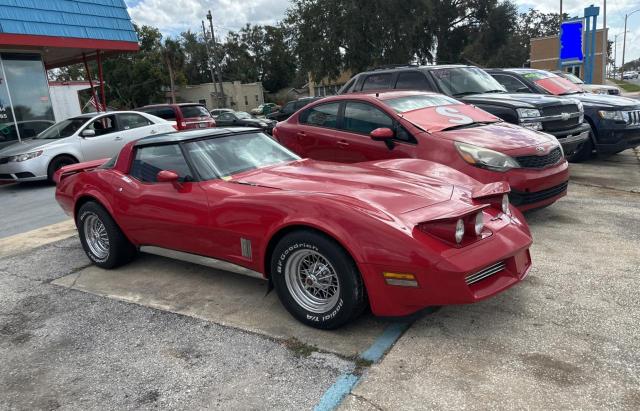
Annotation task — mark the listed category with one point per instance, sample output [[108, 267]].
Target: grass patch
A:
[[626, 86], [299, 348]]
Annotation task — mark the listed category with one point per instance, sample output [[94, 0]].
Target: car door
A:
[[107, 140], [359, 119], [134, 126], [315, 136], [159, 213]]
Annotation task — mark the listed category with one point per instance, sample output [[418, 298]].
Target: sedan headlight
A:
[[485, 158], [528, 113], [611, 115], [24, 157]]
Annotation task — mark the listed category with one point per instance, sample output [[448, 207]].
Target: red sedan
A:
[[410, 124], [399, 235]]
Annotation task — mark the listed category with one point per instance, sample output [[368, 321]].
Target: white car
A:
[[87, 137]]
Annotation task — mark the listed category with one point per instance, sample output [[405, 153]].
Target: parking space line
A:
[[334, 396]]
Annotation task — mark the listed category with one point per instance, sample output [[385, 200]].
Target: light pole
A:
[[624, 38], [605, 44]]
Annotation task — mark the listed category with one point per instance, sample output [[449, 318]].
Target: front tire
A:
[[101, 238], [57, 163], [316, 280]]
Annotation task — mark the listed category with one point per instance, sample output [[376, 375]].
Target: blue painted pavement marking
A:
[[345, 382]]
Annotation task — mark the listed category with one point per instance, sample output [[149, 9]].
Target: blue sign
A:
[[571, 41]]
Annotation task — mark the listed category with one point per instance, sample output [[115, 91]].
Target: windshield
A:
[[410, 103], [573, 78], [459, 81], [194, 111], [243, 115], [551, 83], [223, 157], [65, 128]]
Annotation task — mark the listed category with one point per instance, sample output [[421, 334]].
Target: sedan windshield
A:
[[460, 81], [65, 128], [417, 102], [573, 78], [243, 115], [223, 157]]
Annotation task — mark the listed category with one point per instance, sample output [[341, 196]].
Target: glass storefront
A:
[[25, 104]]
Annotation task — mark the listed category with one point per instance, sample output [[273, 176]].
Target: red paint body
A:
[[373, 210], [433, 143]]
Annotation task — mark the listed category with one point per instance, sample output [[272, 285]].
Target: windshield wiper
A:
[[469, 125], [466, 93], [494, 91]]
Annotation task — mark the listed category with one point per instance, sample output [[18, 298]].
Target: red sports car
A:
[[412, 124], [398, 235]]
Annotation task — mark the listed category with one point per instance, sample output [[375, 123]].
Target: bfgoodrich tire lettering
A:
[[101, 238], [317, 280]]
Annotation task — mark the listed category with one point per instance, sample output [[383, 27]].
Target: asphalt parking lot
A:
[[166, 334]]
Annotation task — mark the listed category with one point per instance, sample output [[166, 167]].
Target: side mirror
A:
[[167, 176], [88, 133], [382, 134]]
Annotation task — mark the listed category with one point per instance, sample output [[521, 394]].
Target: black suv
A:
[[561, 118], [291, 107], [614, 120]]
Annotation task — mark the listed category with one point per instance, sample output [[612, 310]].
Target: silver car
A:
[[87, 137]]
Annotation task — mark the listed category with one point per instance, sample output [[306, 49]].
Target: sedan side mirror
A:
[[168, 176], [88, 133], [382, 134]]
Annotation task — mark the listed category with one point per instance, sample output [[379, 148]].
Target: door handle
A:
[[117, 138], [153, 132], [300, 135], [342, 143]]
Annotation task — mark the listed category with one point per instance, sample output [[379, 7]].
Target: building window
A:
[[246, 100], [257, 98]]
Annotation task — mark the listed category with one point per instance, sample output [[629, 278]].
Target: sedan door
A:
[[105, 143], [316, 135], [225, 119], [134, 126]]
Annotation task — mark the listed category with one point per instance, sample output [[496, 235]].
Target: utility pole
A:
[[221, 96], [213, 77], [605, 44], [624, 37]]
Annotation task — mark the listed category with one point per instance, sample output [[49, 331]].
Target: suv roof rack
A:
[[392, 66]]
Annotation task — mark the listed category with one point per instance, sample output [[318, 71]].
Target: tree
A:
[[173, 57], [196, 62]]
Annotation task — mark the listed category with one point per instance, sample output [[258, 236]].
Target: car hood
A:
[[524, 100], [499, 137], [605, 100], [26, 146], [384, 189]]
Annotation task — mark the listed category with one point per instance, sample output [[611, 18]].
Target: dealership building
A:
[[36, 36]]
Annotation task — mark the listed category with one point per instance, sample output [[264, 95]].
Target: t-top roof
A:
[[64, 29]]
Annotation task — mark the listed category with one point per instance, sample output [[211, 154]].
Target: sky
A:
[[176, 16]]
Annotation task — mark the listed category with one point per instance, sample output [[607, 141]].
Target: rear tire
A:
[[101, 238], [316, 280], [57, 163]]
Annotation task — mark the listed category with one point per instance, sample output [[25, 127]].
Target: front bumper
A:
[[617, 137], [30, 170], [572, 139], [451, 281]]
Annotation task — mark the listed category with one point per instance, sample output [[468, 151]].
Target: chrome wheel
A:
[[312, 281], [96, 237]]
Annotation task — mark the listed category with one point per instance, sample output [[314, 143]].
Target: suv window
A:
[[153, 159], [377, 81], [128, 121], [364, 118], [194, 111], [323, 115], [289, 108], [412, 80], [511, 83], [166, 113], [103, 125]]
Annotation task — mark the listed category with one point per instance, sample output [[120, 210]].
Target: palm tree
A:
[[173, 56]]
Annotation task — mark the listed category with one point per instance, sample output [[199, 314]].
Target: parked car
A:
[[264, 109], [614, 121], [589, 88], [82, 138], [411, 124], [399, 235], [291, 107], [244, 119], [27, 129], [629, 75], [185, 115], [471, 85], [217, 111]]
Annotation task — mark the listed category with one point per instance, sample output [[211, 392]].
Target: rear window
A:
[[194, 111], [166, 113], [377, 81], [412, 80], [410, 103]]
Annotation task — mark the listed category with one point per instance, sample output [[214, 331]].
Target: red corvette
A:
[[412, 124], [398, 235]]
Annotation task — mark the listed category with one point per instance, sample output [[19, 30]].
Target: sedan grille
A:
[[633, 117], [540, 161], [484, 273], [521, 198]]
